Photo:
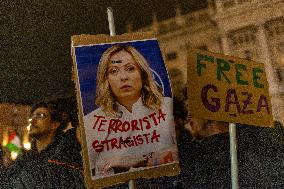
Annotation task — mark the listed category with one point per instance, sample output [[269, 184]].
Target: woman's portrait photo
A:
[[128, 108]]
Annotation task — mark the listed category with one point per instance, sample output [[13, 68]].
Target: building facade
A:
[[252, 29]]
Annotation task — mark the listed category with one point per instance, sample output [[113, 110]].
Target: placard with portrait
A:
[[126, 108]]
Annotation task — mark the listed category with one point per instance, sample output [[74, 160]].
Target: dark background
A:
[[35, 37]]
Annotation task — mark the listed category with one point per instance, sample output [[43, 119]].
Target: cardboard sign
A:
[[226, 88], [125, 105]]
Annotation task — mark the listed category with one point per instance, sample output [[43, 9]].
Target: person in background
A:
[[67, 108], [2, 167], [205, 158], [50, 163], [261, 156], [204, 151]]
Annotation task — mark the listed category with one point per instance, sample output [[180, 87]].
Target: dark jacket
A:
[[261, 157], [57, 166], [206, 163]]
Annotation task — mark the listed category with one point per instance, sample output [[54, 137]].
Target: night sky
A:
[[35, 39]]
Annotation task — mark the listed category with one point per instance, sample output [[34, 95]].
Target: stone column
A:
[[179, 18], [155, 25], [225, 43], [219, 6], [276, 102], [129, 27]]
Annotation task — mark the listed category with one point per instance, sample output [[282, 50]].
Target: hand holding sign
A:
[[162, 157], [116, 164]]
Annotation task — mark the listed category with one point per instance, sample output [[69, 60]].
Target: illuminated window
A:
[[279, 73], [203, 47], [248, 54], [171, 56], [228, 3], [243, 1], [281, 47]]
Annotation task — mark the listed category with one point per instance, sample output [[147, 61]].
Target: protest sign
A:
[[226, 88], [125, 107]]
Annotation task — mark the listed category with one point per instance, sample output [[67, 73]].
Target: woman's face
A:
[[124, 77]]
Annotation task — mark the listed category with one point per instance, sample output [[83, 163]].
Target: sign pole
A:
[[234, 158], [131, 183], [110, 21]]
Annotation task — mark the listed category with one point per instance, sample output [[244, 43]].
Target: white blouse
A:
[[135, 133]]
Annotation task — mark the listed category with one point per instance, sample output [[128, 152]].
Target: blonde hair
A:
[[151, 93]]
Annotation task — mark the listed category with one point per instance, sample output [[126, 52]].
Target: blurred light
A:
[[5, 137], [30, 119], [27, 145], [5, 142], [29, 127], [14, 155]]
